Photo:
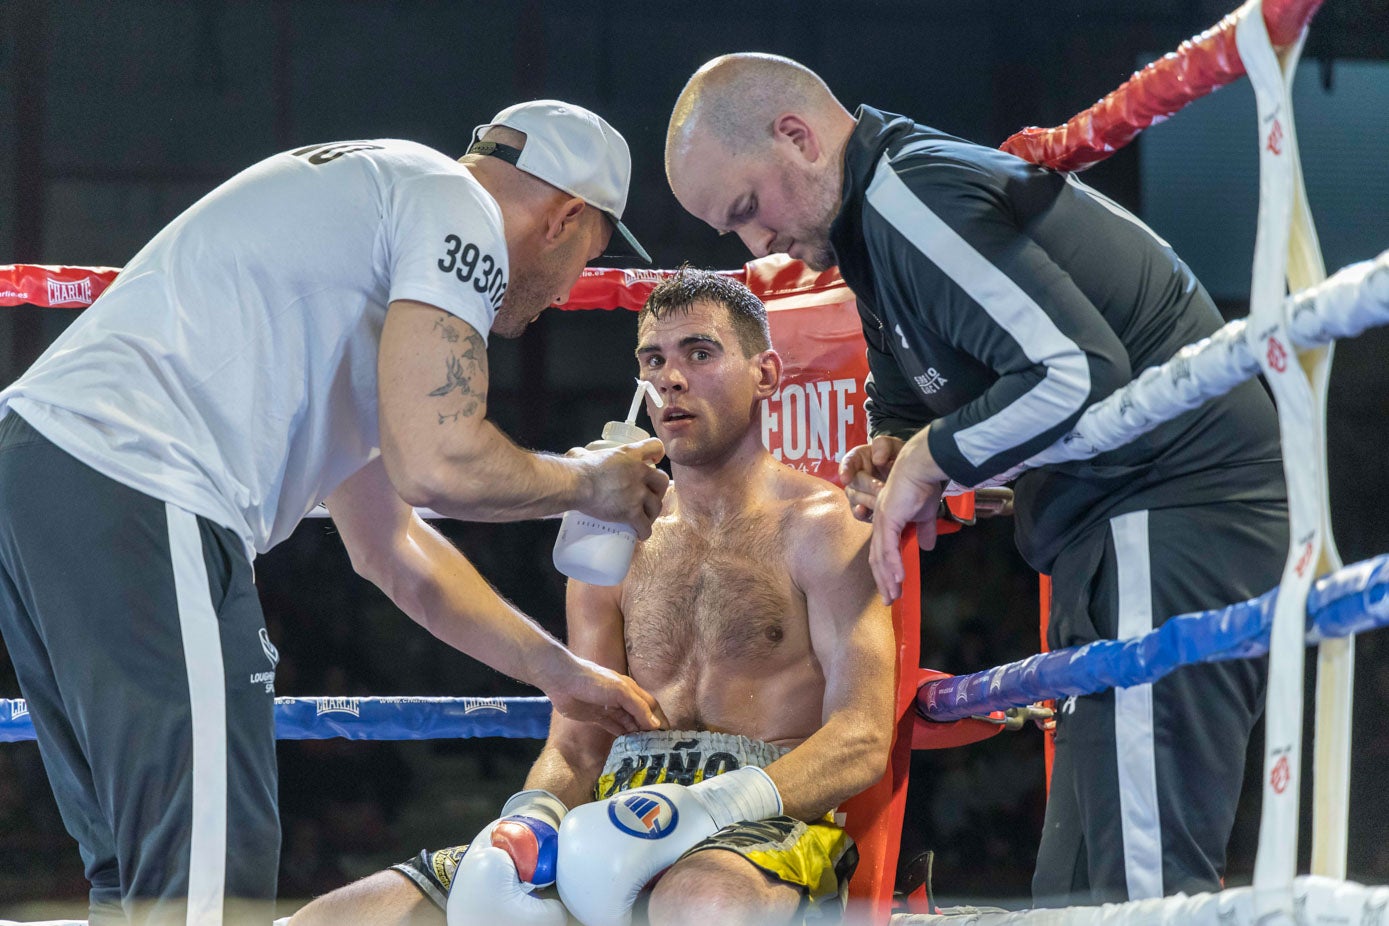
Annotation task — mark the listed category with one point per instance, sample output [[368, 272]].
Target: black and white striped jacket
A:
[[999, 300]]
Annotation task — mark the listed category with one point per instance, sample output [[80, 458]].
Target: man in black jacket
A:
[[999, 301]]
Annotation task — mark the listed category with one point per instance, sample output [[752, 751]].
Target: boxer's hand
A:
[[863, 471], [510, 858], [623, 483], [486, 892], [585, 691], [610, 850]]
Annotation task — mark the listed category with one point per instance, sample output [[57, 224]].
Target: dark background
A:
[[117, 115]]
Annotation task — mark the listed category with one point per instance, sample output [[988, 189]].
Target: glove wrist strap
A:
[[747, 793], [537, 803]]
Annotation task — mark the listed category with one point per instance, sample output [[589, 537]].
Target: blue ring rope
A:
[[1350, 600], [370, 718]]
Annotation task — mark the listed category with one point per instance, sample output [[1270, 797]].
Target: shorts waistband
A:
[[679, 756]]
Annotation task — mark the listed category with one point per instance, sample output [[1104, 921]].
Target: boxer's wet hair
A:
[[678, 294]]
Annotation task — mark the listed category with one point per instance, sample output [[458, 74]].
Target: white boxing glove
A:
[[610, 850], [511, 857]]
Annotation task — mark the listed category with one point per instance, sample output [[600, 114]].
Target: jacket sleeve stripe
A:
[[1115, 208], [1064, 389]]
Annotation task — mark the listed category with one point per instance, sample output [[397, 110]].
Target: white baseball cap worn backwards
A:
[[574, 150]]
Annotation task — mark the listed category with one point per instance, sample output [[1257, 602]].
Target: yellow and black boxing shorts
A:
[[432, 872], [817, 858]]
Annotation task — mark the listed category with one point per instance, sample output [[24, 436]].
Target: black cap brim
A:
[[624, 244]]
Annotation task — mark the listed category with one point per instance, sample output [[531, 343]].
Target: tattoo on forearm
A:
[[464, 411], [465, 373], [446, 331], [456, 378]]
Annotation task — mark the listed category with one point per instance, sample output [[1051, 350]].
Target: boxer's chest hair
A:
[[693, 597]]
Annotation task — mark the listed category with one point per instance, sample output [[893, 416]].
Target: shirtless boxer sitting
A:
[[750, 615]]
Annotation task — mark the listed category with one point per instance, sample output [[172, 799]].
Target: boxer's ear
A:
[[769, 370]]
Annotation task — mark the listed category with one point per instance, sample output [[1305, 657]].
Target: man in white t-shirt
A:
[[313, 330]]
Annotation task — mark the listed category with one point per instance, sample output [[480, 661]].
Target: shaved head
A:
[[756, 147], [736, 98]]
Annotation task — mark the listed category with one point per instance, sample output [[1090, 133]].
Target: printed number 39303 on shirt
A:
[[467, 262]]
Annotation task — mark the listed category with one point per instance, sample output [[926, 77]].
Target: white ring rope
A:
[[1301, 429], [1349, 303], [1317, 901]]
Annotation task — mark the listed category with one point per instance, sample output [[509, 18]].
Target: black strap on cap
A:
[[493, 149]]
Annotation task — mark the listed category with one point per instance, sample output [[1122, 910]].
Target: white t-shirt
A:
[[231, 368]]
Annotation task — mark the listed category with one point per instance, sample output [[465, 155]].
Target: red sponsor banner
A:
[[604, 288], [53, 286], [817, 415], [778, 277]]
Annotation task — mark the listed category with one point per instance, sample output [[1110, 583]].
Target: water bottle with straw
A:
[[594, 551]]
